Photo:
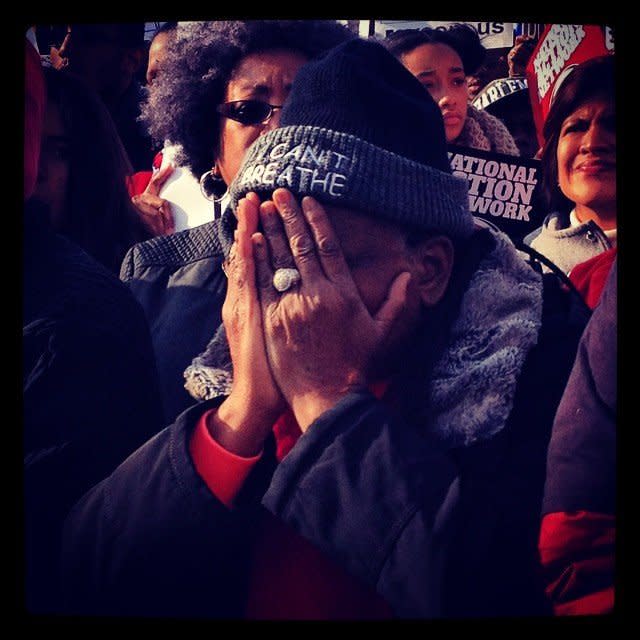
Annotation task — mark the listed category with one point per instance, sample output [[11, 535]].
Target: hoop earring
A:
[[212, 186]]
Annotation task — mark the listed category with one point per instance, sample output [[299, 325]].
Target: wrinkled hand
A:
[[246, 417], [320, 337], [154, 211]]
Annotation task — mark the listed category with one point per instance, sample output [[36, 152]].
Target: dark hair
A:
[[50, 35], [100, 217], [462, 38], [515, 112], [202, 56], [126, 34], [588, 80]]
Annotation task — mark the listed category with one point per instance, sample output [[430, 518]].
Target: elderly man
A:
[[376, 387]]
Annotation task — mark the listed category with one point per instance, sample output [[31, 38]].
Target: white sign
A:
[[498, 89], [493, 35], [189, 206], [609, 41]]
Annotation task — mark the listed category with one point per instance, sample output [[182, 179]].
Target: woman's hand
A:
[[154, 211], [246, 417], [320, 337]]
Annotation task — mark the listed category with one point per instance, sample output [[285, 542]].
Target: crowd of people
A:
[[273, 367]]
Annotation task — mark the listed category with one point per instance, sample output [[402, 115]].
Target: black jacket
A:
[[583, 451], [179, 282], [90, 392], [469, 550], [439, 533], [441, 528], [152, 540]]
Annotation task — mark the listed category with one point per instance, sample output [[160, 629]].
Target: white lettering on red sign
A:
[[556, 49]]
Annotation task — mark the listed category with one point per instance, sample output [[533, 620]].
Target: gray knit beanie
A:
[[359, 131]]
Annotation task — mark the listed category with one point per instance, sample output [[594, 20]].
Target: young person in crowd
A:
[[158, 49], [157, 213], [83, 172], [442, 60]]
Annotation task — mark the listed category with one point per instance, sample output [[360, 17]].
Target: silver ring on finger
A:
[[285, 278]]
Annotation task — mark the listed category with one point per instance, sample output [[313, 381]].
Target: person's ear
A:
[[133, 60], [435, 263]]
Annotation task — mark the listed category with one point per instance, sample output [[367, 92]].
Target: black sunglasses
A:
[[248, 111]]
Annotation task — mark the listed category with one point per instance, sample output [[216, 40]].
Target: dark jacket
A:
[[582, 452], [489, 562], [165, 545], [90, 393], [438, 531], [179, 282], [580, 505], [133, 134]]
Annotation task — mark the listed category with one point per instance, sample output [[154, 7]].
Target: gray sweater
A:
[[567, 246]]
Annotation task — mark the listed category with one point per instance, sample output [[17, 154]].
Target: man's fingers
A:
[[240, 267], [264, 272], [394, 303], [300, 238], [275, 236], [247, 214], [253, 196], [327, 244]]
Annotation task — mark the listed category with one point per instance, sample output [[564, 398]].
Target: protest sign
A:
[[560, 48], [504, 191], [493, 35], [529, 29], [498, 89]]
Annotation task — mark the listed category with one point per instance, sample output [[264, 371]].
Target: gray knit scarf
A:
[[486, 132], [473, 384]]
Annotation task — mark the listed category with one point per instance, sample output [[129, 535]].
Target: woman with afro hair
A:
[[222, 85]]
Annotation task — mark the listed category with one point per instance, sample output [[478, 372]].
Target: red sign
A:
[[560, 48]]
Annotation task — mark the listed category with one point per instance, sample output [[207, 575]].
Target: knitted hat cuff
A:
[[341, 169]]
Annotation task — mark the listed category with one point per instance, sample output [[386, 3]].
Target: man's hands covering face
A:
[[308, 346], [245, 418], [319, 335]]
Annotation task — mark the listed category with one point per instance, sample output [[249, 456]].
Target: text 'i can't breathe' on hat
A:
[[359, 131]]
